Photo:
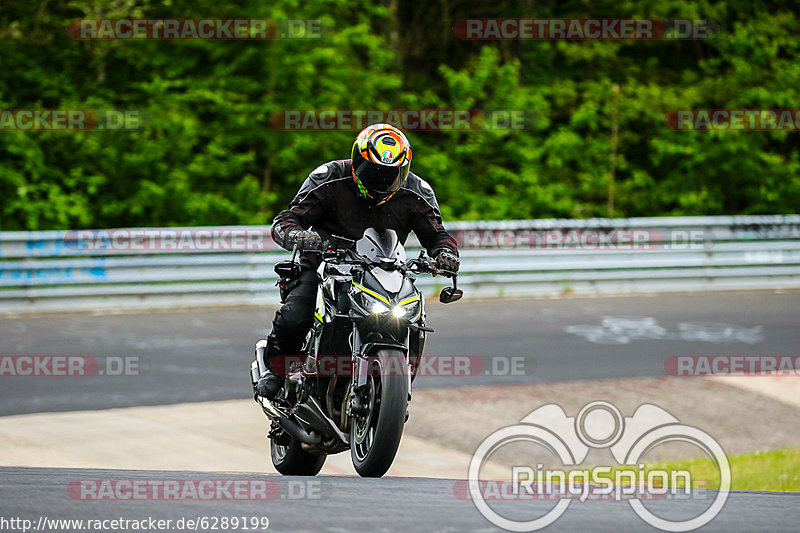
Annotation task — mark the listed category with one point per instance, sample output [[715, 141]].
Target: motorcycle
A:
[[350, 386]]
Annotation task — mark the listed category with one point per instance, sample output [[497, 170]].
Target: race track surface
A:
[[198, 355], [343, 504]]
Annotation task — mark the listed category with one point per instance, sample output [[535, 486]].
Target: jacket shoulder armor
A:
[[321, 175], [421, 188]]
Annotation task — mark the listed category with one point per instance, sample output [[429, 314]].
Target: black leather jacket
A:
[[329, 202]]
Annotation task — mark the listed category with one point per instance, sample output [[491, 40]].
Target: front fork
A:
[[362, 365]]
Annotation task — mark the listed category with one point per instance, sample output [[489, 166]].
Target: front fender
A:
[[370, 349]]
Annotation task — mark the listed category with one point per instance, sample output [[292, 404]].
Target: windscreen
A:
[[383, 245]]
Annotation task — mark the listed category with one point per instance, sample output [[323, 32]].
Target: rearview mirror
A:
[[338, 242], [450, 295]]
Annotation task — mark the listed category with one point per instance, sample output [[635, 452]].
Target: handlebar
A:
[[420, 265], [335, 252], [427, 266]]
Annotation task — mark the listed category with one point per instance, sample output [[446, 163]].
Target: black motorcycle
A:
[[350, 386]]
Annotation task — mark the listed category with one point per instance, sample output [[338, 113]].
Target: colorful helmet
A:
[[381, 160]]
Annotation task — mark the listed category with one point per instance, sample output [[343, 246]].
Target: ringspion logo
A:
[[598, 425]]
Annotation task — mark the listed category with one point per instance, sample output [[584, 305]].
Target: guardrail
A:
[[173, 267]]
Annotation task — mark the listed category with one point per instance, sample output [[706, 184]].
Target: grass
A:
[[775, 470]]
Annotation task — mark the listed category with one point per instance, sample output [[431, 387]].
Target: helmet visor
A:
[[381, 179]]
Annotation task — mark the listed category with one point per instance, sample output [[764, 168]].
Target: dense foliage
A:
[[209, 154]]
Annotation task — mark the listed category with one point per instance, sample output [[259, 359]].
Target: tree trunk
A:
[[614, 137]]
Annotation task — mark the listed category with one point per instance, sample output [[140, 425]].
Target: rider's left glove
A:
[[447, 260]]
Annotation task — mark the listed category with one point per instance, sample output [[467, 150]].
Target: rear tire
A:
[[293, 460], [375, 437]]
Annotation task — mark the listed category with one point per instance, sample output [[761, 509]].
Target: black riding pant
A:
[[293, 320]]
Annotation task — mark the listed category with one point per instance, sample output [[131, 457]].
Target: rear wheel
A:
[[375, 434], [293, 460]]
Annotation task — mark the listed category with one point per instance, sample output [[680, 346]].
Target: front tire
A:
[[375, 436], [293, 460]]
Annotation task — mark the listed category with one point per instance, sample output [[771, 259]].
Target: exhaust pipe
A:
[[297, 432]]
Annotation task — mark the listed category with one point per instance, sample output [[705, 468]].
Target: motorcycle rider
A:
[[374, 188]]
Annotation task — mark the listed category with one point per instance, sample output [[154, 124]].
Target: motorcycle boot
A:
[[270, 383]]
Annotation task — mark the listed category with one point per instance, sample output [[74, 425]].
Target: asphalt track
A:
[[198, 355], [345, 504]]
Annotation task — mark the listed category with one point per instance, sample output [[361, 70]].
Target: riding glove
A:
[[447, 261], [304, 239]]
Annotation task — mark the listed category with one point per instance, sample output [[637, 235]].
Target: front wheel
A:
[[375, 434], [293, 460]]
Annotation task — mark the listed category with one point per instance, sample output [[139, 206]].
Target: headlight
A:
[[368, 301], [409, 311], [378, 308], [408, 308]]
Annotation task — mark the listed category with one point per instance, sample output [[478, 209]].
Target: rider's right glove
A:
[[304, 239], [447, 261]]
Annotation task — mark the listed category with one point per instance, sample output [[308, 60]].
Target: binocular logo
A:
[[599, 424]]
